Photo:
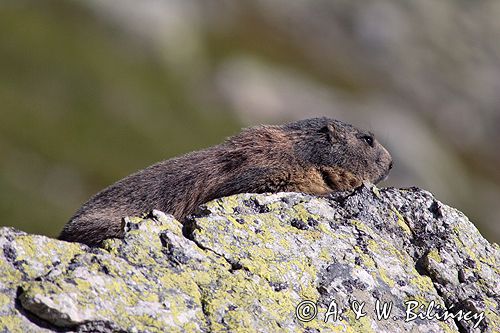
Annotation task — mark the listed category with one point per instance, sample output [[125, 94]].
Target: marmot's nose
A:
[[390, 166]]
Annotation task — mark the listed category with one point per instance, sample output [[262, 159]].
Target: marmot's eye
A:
[[368, 139]]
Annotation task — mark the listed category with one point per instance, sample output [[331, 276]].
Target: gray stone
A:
[[245, 263]]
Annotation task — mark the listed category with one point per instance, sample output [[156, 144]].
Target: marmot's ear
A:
[[330, 131]]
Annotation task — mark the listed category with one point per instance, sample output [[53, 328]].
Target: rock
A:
[[262, 263]]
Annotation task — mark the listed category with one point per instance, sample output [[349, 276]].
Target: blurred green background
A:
[[93, 91]]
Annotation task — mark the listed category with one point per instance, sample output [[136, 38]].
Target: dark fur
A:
[[316, 156]]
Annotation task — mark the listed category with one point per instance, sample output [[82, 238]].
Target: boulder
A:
[[372, 260]]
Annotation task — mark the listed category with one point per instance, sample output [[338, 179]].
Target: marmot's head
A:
[[333, 145]]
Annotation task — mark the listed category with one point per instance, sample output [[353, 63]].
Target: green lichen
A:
[[446, 327], [373, 246], [183, 281], [11, 323], [325, 255], [299, 211], [227, 204], [401, 221], [362, 324], [491, 311], [242, 272], [362, 226], [4, 301], [422, 283], [273, 307], [473, 256], [367, 261], [9, 275], [40, 256], [490, 261], [387, 280], [434, 255]]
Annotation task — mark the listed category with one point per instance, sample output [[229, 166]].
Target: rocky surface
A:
[[423, 75], [245, 264]]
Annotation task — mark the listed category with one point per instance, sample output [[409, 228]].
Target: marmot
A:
[[315, 156]]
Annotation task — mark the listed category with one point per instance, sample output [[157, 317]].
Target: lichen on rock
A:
[[244, 263]]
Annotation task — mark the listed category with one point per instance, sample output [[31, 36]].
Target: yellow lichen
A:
[[387, 280], [434, 255], [401, 221], [423, 283]]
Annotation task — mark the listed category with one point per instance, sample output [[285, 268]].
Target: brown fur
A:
[[316, 156]]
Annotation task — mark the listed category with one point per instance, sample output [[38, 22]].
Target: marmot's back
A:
[[315, 156]]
